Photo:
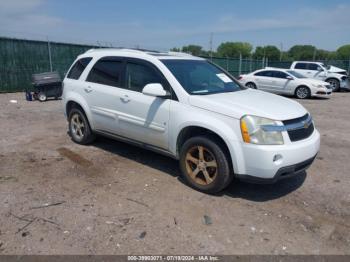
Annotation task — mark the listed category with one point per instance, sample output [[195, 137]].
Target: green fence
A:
[[19, 59]]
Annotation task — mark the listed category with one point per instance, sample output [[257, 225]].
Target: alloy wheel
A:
[[302, 92], [77, 126], [201, 165]]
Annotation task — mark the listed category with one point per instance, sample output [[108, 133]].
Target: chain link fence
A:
[[19, 59]]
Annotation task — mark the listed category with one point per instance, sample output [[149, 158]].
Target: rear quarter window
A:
[[78, 68], [301, 66]]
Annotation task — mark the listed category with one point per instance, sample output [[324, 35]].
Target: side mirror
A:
[[289, 78], [319, 69], [156, 90]]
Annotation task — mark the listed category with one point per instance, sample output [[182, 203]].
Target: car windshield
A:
[[296, 74], [199, 77]]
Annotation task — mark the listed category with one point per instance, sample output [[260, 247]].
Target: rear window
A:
[[264, 73], [301, 66], [106, 71], [79, 68]]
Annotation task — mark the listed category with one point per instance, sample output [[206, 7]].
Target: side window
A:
[[106, 71], [313, 66], [264, 73], [78, 68], [279, 74], [139, 75], [301, 66]]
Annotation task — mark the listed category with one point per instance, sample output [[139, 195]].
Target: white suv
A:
[[336, 77], [190, 109]]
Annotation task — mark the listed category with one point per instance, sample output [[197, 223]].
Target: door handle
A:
[[88, 89], [125, 98]]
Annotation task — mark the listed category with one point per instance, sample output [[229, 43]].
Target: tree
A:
[[269, 51], [302, 52], [193, 50], [175, 49], [233, 49], [343, 52]]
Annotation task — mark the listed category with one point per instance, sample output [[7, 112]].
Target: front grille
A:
[[302, 132]]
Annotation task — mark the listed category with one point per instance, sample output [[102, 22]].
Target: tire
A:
[[302, 92], [79, 127], [210, 172], [251, 85], [335, 84], [42, 97]]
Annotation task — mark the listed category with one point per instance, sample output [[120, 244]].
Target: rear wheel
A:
[[79, 127], [334, 83], [42, 97], [205, 165], [251, 85], [302, 92]]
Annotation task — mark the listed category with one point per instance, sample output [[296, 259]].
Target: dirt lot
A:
[[111, 198]]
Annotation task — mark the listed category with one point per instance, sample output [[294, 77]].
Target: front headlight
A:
[[253, 132]]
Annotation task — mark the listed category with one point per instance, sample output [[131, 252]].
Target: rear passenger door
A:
[[302, 68], [144, 118], [264, 80], [102, 90]]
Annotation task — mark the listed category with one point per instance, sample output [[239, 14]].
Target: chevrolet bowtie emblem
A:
[[306, 124]]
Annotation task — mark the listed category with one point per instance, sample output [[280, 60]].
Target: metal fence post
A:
[[250, 64], [240, 64], [49, 51], [226, 63], [263, 62], [267, 62], [349, 66]]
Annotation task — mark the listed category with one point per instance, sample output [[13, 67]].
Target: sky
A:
[[163, 24]]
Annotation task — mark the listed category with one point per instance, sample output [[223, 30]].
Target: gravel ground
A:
[[57, 197]]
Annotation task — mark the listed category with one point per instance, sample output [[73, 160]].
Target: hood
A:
[[249, 102], [334, 69], [314, 81]]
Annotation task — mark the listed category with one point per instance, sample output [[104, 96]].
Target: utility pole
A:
[[211, 46], [314, 56]]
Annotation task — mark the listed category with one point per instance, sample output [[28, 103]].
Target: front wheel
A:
[[302, 92], [79, 127], [334, 83], [205, 165]]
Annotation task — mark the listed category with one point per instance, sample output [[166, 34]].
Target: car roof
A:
[[139, 53]]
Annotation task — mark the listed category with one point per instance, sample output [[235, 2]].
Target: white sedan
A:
[[286, 82]]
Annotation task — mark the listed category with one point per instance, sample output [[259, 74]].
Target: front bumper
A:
[[345, 84], [282, 173], [271, 163]]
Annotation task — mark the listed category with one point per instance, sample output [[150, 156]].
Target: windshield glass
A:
[[296, 74], [199, 77]]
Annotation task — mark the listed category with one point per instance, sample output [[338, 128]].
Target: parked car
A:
[[286, 82], [192, 110], [336, 77]]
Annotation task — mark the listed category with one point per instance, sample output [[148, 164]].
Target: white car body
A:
[[320, 71], [284, 82], [157, 123]]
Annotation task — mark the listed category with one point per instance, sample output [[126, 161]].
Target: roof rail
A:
[[181, 54]]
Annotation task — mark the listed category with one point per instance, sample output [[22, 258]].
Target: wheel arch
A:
[[76, 101], [193, 130]]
